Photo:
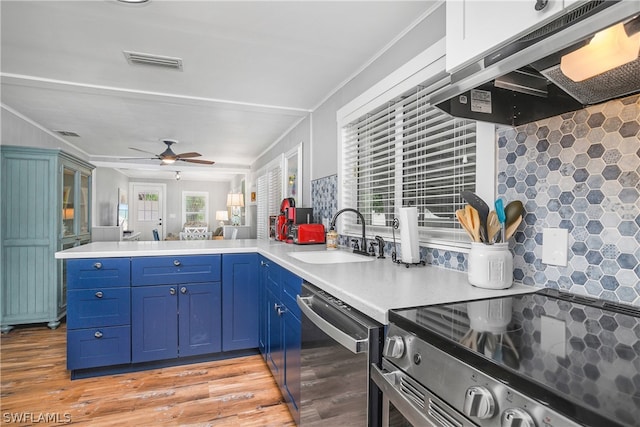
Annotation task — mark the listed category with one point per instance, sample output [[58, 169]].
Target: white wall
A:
[[217, 200], [19, 130], [320, 150], [106, 182]]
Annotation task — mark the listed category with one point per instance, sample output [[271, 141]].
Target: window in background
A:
[[195, 207], [269, 195], [408, 153]]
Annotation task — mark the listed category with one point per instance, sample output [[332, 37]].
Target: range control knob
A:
[[516, 417], [479, 403], [393, 347]]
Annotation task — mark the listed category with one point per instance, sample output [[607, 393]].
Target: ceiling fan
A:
[[168, 157]]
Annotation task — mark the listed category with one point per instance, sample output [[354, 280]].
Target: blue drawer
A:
[[94, 347], [167, 270], [98, 273], [291, 287], [88, 308]]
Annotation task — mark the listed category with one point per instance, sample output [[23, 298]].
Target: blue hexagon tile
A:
[[579, 171]]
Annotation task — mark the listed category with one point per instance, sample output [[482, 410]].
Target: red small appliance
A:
[[307, 234], [283, 223]]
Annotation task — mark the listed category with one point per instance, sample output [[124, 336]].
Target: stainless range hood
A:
[[521, 82]]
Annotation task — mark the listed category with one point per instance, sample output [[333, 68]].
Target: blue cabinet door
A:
[[199, 319], [95, 347], [240, 294], [274, 350], [262, 308], [89, 308], [292, 344], [154, 320], [166, 270]]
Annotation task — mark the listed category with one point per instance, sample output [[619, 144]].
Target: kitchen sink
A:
[[330, 257]]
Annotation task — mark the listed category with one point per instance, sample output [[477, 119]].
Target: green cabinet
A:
[[45, 208]]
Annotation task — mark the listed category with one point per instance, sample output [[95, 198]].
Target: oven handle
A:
[[354, 345], [386, 383]]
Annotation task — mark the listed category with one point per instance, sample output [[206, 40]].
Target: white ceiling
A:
[[251, 71]]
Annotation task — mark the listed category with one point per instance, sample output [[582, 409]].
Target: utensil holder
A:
[[490, 266]]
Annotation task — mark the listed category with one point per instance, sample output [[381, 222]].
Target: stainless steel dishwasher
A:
[[338, 346]]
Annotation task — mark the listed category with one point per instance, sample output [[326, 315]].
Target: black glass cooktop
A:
[[584, 351]]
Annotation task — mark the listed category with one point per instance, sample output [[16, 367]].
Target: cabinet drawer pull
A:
[[172, 291], [177, 262], [541, 4], [97, 265], [98, 334], [99, 294], [183, 290]]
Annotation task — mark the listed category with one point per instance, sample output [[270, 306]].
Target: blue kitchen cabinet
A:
[[171, 316], [240, 297], [283, 330], [262, 307], [98, 316]]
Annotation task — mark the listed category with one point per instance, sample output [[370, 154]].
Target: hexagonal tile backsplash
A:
[[581, 172]]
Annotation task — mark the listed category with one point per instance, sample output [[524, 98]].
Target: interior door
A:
[[147, 209]]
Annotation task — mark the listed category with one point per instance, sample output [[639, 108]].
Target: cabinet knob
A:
[[177, 262], [98, 334], [99, 294], [541, 4], [264, 264], [183, 290], [172, 291], [97, 265]]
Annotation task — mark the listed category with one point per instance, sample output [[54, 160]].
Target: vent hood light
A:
[[609, 49]]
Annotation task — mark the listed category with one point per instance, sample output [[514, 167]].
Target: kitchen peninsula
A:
[[372, 287]]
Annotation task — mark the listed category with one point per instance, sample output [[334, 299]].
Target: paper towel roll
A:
[[408, 219]]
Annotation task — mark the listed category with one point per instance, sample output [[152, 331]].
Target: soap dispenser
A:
[[332, 239]]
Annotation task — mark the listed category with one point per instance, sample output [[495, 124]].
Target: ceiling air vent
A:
[[156, 60], [67, 133]]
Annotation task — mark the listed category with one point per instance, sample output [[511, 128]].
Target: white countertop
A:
[[371, 287]]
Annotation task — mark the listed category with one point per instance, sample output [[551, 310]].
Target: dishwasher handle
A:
[[352, 344]]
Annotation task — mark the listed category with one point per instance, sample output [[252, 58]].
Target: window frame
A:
[[428, 71], [186, 194]]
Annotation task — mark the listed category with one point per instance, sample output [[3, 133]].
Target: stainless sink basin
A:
[[330, 257]]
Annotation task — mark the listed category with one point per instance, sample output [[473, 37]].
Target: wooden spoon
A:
[[483, 210], [512, 228], [473, 219], [463, 221], [493, 226]]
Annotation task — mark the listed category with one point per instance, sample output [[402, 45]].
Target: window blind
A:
[[408, 153], [268, 198]]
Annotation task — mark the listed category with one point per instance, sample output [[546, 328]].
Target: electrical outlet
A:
[[554, 246]]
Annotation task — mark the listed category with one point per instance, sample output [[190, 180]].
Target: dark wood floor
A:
[[35, 386]]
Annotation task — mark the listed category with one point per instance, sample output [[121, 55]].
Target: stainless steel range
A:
[[546, 359]]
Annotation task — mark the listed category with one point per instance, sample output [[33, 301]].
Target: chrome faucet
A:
[[356, 250]]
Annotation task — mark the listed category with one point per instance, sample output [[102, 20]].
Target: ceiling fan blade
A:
[[189, 154], [202, 162], [143, 151], [138, 158]]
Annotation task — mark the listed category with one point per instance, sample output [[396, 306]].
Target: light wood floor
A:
[[35, 383]]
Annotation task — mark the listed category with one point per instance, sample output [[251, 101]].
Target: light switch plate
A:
[[554, 246]]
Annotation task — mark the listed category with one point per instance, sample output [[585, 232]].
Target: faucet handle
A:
[[356, 245], [380, 242], [372, 249]]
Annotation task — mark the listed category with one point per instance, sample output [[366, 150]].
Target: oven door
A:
[[407, 403]]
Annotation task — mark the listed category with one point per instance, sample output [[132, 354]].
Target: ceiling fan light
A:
[[609, 49], [168, 161]]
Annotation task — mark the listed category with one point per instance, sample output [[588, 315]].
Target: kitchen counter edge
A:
[[373, 287]]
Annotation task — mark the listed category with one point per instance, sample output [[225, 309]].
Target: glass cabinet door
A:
[[68, 202], [83, 204]]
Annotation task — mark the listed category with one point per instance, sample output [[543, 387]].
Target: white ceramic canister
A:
[[490, 266]]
